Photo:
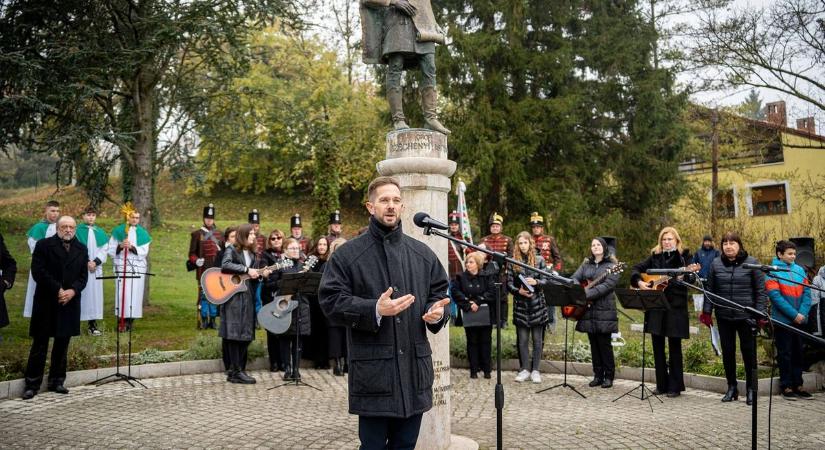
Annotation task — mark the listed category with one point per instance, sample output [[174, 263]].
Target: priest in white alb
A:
[[47, 227], [133, 239], [97, 244]]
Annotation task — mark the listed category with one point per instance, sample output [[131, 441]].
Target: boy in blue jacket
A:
[[790, 304]]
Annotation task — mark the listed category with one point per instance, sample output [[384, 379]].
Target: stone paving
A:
[[204, 411]]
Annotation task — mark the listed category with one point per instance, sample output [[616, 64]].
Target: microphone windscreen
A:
[[420, 219]]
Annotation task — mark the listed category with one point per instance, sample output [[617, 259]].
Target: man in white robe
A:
[[136, 245], [41, 230], [97, 243]]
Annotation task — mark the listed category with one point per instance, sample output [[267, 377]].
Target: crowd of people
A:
[[477, 286]]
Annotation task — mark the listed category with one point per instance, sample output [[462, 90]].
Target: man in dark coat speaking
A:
[[8, 270], [60, 268], [387, 289]]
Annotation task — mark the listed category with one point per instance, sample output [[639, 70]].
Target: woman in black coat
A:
[[316, 345], [471, 289], [238, 313], [272, 254], [336, 334], [530, 313], [746, 287], [292, 363], [600, 319], [672, 323]]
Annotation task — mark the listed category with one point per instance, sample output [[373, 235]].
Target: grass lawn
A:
[[169, 321]]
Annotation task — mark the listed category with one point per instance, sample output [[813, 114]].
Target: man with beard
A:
[[498, 242], [387, 289], [335, 227], [297, 231], [60, 268]]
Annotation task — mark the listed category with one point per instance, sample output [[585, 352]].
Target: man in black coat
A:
[[59, 266], [387, 289], [8, 269]]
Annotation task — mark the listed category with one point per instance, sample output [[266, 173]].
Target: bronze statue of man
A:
[[403, 34]]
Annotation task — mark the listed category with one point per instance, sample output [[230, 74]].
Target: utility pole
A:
[[714, 169]]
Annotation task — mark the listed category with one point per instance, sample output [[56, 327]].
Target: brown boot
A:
[[395, 99], [429, 102]]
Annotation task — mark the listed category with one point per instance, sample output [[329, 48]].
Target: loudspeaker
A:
[[611, 242], [805, 255]]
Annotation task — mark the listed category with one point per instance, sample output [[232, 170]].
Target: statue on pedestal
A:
[[403, 34]]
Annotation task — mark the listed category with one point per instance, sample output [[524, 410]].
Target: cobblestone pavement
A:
[[203, 411]]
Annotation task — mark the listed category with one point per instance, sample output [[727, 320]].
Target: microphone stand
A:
[[501, 259], [756, 315]]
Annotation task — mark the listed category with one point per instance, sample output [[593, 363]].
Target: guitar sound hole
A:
[[236, 279]]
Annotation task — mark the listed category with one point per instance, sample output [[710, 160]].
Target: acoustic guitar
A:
[[576, 312], [659, 282], [219, 287], [276, 316]]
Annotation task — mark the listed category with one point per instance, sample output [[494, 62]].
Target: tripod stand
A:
[[556, 295], [118, 376], [305, 283], [645, 301]]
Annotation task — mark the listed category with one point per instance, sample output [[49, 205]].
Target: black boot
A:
[[607, 383], [296, 373], [732, 394], [288, 372], [338, 368], [597, 381], [749, 397]]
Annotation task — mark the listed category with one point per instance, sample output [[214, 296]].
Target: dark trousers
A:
[[273, 348], [237, 354], [604, 366], [669, 371], [789, 356], [525, 335], [337, 342], [227, 364], [479, 345], [287, 348], [385, 432], [37, 362], [728, 329]]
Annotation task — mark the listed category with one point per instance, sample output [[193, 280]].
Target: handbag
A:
[[480, 318]]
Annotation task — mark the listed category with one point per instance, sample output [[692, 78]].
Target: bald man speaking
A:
[[59, 266]]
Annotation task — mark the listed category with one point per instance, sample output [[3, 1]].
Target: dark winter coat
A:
[[601, 316], [673, 322], [53, 268], [705, 259], [8, 270], [390, 364], [238, 313], [529, 311], [479, 288], [303, 302], [743, 286]]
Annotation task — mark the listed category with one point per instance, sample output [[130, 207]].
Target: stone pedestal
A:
[[418, 159]]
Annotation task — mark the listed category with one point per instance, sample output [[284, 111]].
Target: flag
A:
[[463, 213]]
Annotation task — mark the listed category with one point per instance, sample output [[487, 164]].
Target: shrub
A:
[[204, 347], [151, 356]]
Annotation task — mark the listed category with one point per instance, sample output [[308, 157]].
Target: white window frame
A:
[[735, 199], [749, 197]]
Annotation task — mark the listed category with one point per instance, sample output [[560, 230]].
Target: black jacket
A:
[[238, 313], [601, 316], [479, 288], [529, 311], [8, 268], [673, 322], [743, 286], [303, 302], [54, 268], [390, 365]]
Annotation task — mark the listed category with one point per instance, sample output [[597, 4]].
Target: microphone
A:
[[668, 271], [424, 220], [765, 268]]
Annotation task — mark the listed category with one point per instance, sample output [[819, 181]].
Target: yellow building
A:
[[771, 181]]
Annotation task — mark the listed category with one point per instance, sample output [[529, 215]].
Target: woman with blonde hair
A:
[[530, 313], [473, 291], [672, 323]]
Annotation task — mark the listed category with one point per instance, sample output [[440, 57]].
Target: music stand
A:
[[119, 277], [644, 301], [297, 284], [560, 295]]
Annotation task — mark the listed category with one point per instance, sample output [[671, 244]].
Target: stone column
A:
[[418, 159]]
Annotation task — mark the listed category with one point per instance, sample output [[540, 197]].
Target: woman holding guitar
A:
[[530, 312], [238, 313], [273, 252], [600, 318], [672, 323]]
